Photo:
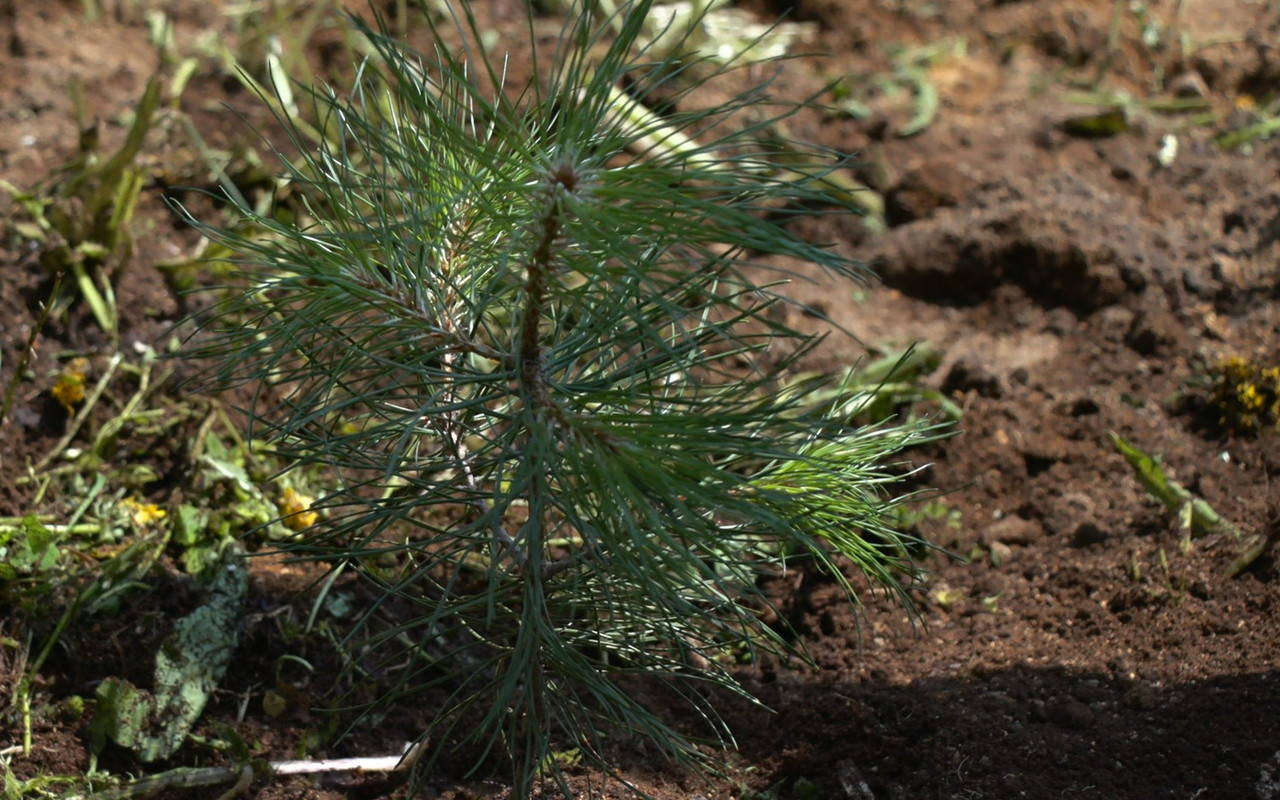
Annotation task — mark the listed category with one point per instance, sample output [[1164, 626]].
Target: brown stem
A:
[[562, 179], [535, 290], [533, 381]]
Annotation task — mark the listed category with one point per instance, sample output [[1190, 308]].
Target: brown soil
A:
[[1072, 284]]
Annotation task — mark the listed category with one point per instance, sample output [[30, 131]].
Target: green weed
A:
[[81, 222], [1196, 518]]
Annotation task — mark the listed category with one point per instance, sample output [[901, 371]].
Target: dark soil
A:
[[1073, 286]]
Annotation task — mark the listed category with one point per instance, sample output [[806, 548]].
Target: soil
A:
[[1070, 643]]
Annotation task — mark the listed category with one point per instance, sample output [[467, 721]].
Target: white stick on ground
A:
[[243, 775]]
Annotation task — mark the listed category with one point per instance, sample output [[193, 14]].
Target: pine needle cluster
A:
[[532, 340]]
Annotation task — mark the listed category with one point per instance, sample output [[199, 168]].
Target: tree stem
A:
[[533, 381], [535, 291]]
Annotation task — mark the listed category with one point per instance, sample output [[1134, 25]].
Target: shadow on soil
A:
[[1033, 732]]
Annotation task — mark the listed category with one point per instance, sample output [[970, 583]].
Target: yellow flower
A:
[[296, 510], [143, 514], [1249, 397], [1246, 395], [69, 388]]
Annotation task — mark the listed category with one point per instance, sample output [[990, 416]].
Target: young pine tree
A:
[[528, 330]]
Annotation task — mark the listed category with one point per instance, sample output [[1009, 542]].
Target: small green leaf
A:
[[274, 704], [121, 715], [30, 230], [36, 551], [1096, 126], [191, 662], [806, 789], [339, 604], [190, 524], [196, 559], [38, 536], [219, 462]]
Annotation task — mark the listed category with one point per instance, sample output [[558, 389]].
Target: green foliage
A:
[[189, 665], [34, 561], [82, 221], [26, 548], [39, 786], [539, 350], [1196, 517]]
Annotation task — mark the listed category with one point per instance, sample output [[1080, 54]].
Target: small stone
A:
[[1068, 512], [1113, 322], [1195, 283], [851, 781], [1012, 530], [1188, 85], [1001, 553], [1070, 713], [1153, 332], [1060, 322], [1143, 697], [1229, 270]]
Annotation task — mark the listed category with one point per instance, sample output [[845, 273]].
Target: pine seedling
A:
[[531, 331]]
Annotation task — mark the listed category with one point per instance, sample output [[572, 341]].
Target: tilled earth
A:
[[1071, 644]]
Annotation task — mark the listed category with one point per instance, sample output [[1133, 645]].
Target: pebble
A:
[[851, 781], [1011, 530]]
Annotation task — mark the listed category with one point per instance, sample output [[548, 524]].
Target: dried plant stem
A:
[[25, 359], [244, 774]]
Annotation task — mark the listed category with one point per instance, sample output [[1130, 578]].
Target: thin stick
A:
[[243, 775], [25, 358], [1113, 42]]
